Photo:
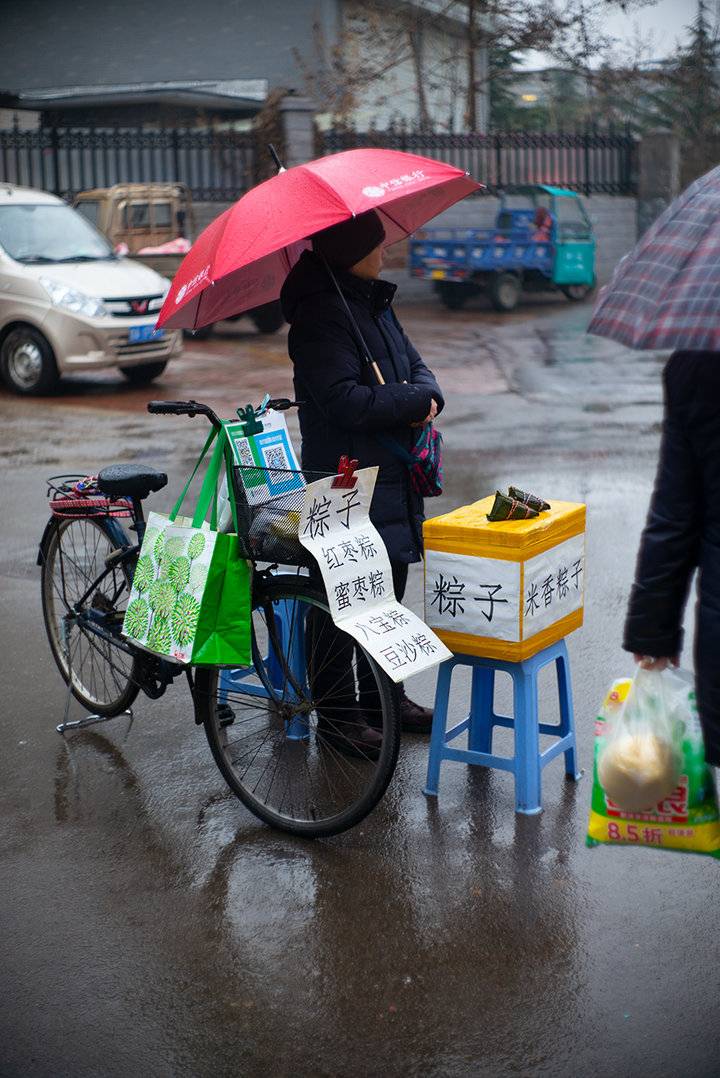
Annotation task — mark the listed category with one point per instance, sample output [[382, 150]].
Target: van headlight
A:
[[72, 300]]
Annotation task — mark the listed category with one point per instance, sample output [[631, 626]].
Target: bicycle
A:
[[274, 727]]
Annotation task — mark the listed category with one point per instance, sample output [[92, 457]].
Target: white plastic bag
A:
[[641, 760]]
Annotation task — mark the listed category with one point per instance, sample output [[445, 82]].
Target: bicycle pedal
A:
[[225, 715]]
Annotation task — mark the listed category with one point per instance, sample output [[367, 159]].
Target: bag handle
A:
[[208, 490], [178, 504]]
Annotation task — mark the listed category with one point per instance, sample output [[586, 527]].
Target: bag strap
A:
[[176, 508], [398, 450], [229, 463], [208, 491]]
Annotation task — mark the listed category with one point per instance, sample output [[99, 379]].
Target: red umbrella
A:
[[242, 259]]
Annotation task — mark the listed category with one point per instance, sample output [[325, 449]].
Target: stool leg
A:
[[482, 699], [439, 725], [567, 714], [527, 742]]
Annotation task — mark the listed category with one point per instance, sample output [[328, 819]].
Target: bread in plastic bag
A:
[[648, 739]]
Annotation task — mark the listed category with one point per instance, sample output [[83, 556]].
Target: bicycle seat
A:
[[130, 480]]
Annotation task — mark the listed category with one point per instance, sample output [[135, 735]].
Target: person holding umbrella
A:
[[358, 401], [345, 411], [666, 294]]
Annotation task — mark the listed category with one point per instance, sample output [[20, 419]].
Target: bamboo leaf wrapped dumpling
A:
[[507, 508], [532, 500]]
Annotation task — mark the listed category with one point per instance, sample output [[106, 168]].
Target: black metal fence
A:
[[217, 166], [590, 161]]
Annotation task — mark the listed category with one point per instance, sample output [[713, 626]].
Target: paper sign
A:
[[260, 454], [554, 585], [465, 594], [335, 527]]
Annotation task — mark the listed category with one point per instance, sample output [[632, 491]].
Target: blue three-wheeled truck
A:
[[542, 240]]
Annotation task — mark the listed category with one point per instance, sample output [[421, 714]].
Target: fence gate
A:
[[217, 166]]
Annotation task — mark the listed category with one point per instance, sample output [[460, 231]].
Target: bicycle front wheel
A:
[[272, 728], [101, 676]]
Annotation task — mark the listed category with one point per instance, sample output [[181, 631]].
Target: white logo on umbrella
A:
[[181, 294], [373, 192]]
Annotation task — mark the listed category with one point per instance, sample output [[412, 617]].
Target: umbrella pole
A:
[[367, 357]]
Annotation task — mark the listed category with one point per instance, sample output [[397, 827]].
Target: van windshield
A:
[[47, 233]]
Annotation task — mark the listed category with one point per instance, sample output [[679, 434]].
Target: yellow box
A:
[[508, 589]]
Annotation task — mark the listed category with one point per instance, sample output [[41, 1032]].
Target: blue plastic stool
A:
[[237, 679], [527, 763]]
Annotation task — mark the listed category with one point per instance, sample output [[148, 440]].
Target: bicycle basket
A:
[[269, 503]]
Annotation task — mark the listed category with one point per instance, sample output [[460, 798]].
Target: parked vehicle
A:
[[542, 239], [67, 302], [153, 222]]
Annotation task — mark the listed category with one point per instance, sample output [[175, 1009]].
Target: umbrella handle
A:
[[367, 357]]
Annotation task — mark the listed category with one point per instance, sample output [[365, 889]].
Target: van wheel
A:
[[143, 373], [505, 289], [27, 362]]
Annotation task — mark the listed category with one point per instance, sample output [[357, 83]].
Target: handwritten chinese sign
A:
[[335, 527]]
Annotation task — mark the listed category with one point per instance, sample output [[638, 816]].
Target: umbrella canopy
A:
[[666, 292], [242, 259]]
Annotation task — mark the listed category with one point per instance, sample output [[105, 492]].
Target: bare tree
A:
[[382, 36]]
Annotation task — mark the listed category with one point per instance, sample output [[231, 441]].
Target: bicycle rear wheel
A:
[[100, 675], [268, 728]]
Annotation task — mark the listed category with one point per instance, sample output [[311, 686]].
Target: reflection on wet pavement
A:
[[150, 924]]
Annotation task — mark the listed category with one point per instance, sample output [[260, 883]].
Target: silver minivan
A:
[[68, 303]]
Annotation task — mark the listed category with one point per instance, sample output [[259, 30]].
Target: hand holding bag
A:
[[424, 461]]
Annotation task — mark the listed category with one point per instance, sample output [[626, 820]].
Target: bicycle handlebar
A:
[[189, 408], [193, 408]]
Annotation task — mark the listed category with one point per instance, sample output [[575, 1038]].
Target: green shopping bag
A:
[[190, 597]]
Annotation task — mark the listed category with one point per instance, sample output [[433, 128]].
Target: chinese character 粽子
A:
[[366, 547], [317, 521], [577, 569], [352, 500], [377, 585], [448, 595], [492, 590], [426, 646], [562, 587]]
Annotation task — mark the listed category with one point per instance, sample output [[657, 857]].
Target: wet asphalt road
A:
[[150, 925]]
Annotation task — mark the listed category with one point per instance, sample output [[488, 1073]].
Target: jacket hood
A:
[[309, 277]]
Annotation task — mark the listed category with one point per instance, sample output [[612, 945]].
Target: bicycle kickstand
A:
[[89, 720]]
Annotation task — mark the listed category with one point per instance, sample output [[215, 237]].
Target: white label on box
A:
[[335, 527], [554, 585], [465, 594]]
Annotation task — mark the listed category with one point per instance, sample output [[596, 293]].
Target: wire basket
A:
[[269, 504], [78, 496]]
